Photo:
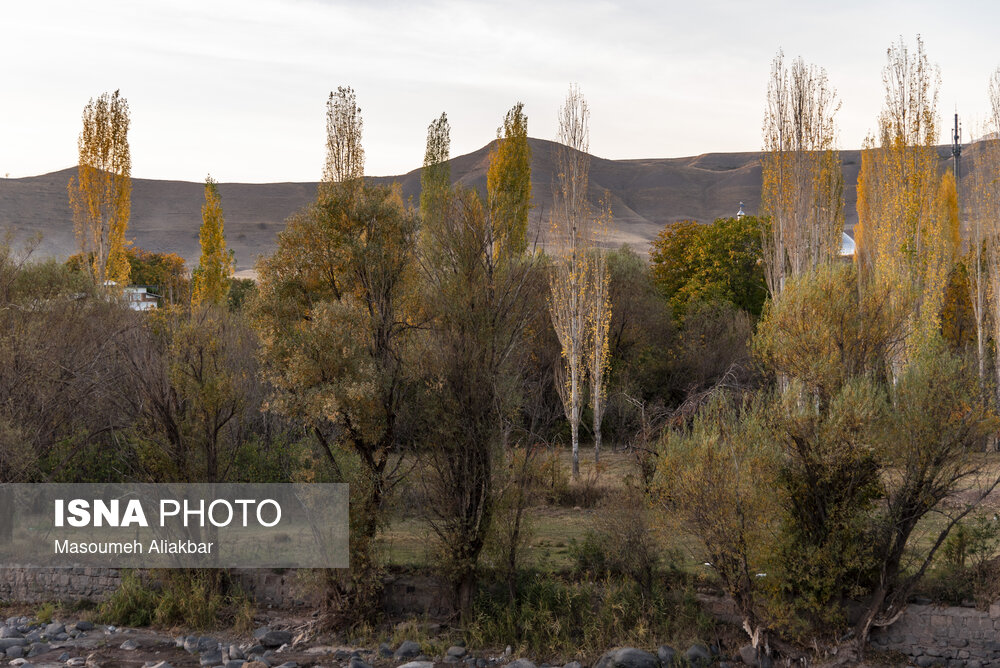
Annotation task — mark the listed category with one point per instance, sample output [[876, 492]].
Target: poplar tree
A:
[[579, 295], [802, 193], [435, 177], [210, 280], [345, 156], [508, 184], [101, 193], [902, 238]]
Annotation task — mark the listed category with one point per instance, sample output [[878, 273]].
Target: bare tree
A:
[[984, 234], [345, 157], [802, 194], [573, 237]]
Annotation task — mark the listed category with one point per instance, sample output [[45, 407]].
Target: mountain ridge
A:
[[645, 195]]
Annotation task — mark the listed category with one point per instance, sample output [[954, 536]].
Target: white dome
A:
[[847, 246]]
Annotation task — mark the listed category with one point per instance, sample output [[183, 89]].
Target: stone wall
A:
[[932, 635], [404, 595]]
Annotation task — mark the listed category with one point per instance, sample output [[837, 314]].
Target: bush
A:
[[621, 544], [199, 599], [552, 617]]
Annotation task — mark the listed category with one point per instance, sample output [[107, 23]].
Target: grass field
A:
[[555, 526]]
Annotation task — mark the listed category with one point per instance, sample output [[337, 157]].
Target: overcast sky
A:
[[238, 87]]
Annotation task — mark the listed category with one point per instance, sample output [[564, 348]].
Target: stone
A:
[[129, 645], [521, 663], [208, 644], [256, 664], [666, 654], [6, 643], [408, 649], [15, 652], [255, 649], [456, 651], [34, 636], [289, 664], [926, 661], [9, 632], [63, 657], [76, 662], [417, 664], [162, 664], [38, 648], [84, 625], [749, 656], [190, 644], [274, 638], [627, 657], [54, 629], [357, 662], [210, 658], [698, 655], [235, 653], [573, 664], [385, 650], [18, 662], [235, 663]]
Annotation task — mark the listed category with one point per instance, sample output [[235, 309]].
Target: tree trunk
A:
[[597, 431], [574, 423]]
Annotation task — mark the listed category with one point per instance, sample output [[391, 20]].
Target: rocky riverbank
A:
[[26, 642]]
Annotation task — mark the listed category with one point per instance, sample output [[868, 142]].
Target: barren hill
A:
[[645, 195]]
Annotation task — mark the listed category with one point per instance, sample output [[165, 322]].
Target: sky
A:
[[238, 88]]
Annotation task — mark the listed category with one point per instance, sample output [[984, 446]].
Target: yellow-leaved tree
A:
[[210, 280], [508, 184], [802, 196], [904, 235], [101, 193]]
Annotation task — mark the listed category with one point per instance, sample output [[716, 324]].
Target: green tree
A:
[[210, 279], [720, 261], [435, 177], [481, 305]]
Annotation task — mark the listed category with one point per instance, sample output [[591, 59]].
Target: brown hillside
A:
[[645, 194]]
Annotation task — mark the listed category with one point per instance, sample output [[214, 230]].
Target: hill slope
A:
[[645, 195]]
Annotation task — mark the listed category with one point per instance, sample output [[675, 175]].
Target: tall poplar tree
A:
[[508, 184], [101, 193], [802, 197], [903, 239], [435, 177], [210, 280]]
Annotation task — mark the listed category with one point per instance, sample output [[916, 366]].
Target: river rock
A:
[[255, 664], [627, 657], [274, 638], [418, 664], [698, 655], [457, 651], [573, 664], [357, 662], [190, 644], [15, 652], [666, 654], [129, 645], [407, 650], [385, 650], [521, 663], [84, 625], [210, 658], [54, 629], [38, 648]]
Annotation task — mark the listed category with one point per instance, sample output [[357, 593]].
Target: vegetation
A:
[[802, 433]]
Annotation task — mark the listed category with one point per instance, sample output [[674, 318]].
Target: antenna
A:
[[956, 148]]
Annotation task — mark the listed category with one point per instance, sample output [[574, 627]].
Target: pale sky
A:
[[238, 87]]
